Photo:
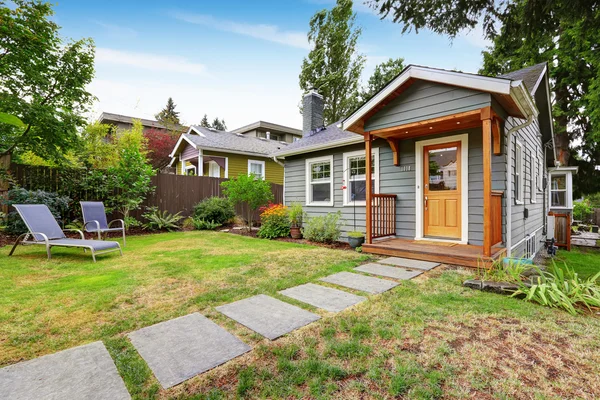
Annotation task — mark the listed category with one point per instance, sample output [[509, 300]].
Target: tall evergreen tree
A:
[[333, 65], [382, 75], [168, 115], [219, 124], [204, 123], [526, 32]]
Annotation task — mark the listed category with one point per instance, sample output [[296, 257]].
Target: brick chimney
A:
[[312, 112]]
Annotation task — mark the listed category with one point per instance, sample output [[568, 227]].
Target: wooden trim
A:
[[395, 145], [497, 216], [368, 183], [394, 129], [496, 137], [487, 187]]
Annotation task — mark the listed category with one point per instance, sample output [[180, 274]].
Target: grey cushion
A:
[[94, 211], [38, 218], [97, 245]]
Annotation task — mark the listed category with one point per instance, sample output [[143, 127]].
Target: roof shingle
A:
[[211, 138]]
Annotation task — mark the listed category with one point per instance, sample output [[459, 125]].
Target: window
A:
[[519, 178], [190, 170], [214, 171], [257, 168], [355, 178], [541, 173], [533, 177], [558, 191], [319, 181]]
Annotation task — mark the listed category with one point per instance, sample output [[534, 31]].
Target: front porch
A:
[[447, 253]]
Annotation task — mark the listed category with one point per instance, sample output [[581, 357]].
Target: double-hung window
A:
[[541, 173], [533, 177], [519, 173], [355, 176], [319, 181], [559, 194], [257, 168]]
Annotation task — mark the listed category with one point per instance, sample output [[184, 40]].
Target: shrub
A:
[[131, 222], [296, 214], [248, 190], [216, 209], [2, 220], [204, 225], [323, 229], [58, 206], [275, 222], [161, 220]]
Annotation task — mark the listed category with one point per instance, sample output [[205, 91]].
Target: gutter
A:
[[278, 162], [509, 175], [322, 146]]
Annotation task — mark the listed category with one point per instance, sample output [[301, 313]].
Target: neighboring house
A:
[[124, 122], [219, 154], [458, 165], [268, 130]]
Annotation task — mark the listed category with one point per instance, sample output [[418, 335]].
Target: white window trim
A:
[[188, 167], [533, 177], [568, 190], [346, 169], [464, 181], [211, 167], [264, 171], [308, 162], [541, 173], [521, 191]]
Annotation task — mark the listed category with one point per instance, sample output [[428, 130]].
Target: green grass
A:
[[428, 338], [585, 261]]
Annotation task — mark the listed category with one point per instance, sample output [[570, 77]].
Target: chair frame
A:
[[101, 231]]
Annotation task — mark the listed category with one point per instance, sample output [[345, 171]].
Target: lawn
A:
[[428, 338], [585, 261]]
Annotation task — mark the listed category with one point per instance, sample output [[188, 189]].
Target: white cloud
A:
[[117, 31], [271, 33], [148, 61]]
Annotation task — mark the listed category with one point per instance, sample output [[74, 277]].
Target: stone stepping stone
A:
[[84, 372], [409, 263], [360, 282], [329, 299], [184, 347], [270, 317], [390, 272]]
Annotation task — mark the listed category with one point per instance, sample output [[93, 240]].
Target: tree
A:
[[168, 116], [204, 123], [219, 125], [333, 66], [526, 32], [382, 75], [250, 191], [160, 144], [98, 148], [43, 81]]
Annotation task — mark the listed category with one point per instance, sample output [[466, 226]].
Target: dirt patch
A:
[[7, 240]]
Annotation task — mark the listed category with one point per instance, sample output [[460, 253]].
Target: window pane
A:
[[559, 199], [321, 192], [443, 169], [256, 169], [357, 190], [320, 171], [559, 182]]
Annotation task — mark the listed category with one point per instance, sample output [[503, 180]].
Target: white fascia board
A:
[[476, 82], [523, 99], [322, 146], [245, 153], [181, 139]]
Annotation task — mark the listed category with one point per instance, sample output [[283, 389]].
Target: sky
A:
[[236, 60]]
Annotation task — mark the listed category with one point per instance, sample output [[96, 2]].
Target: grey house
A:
[[458, 171]]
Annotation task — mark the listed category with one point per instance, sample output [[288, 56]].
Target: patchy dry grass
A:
[[427, 338]]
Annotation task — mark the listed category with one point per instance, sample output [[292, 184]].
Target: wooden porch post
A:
[[369, 179], [487, 182]]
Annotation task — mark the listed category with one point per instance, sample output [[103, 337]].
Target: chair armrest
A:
[[117, 220], [40, 233], [92, 222], [75, 230]]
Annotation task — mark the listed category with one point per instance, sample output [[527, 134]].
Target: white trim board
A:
[[464, 179], [307, 176]]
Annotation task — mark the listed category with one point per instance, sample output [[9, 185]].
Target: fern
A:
[[161, 220]]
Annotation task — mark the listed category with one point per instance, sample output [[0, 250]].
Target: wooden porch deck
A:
[[457, 254]]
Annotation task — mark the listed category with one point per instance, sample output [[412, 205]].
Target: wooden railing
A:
[[383, 215], [496, 217]]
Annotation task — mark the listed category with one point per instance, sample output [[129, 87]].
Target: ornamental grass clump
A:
[[275, 222]]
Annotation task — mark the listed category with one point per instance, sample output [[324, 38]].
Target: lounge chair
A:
[[94, 219], [44, 230]]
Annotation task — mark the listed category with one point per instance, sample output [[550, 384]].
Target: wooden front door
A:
[[442, 191]]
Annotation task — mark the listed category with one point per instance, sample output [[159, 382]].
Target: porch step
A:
[[409, 263], [387, 271]]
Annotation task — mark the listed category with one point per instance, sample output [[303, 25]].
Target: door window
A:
[[443, 168]]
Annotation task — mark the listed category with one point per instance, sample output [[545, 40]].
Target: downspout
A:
[[509, 198]]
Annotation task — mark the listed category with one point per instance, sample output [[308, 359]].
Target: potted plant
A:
[[356, 239], [295, 213]]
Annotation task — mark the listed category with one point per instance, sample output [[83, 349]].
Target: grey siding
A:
[[424, 100], [521, 226], [395, 180]]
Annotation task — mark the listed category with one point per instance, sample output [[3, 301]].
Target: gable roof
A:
[[105, 116], [530, 76], [226, 142], [328, 137], [268, 125]]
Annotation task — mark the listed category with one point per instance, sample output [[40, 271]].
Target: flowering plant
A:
[[275, 221]]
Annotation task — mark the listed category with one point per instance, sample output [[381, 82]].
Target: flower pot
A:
[[354, 241], [295, 232]]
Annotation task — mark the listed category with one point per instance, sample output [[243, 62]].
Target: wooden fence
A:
[[173, 193]]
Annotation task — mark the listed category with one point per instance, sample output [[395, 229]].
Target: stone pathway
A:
[[84, 372], [390, 272], [184, 347], [328, 299], [409, 263], [270, 317], [360, 282]]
